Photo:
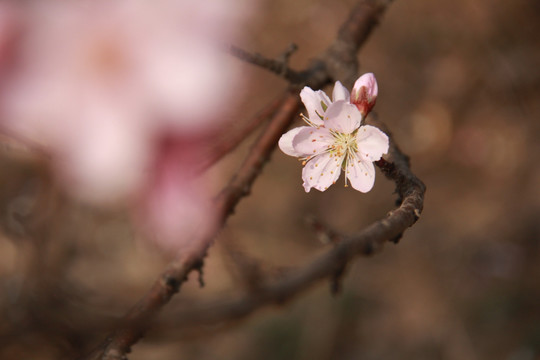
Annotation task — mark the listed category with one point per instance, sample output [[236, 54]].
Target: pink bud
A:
[[364, 93]]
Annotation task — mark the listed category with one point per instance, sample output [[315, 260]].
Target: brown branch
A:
[[227, 144], [325, 234], [245, 270], [240, 185], [338, 62], [340, 58], [367, 242], [321, 72], [138, 319], [278, 66]]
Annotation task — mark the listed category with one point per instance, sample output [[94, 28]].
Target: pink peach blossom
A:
[[335, 140]]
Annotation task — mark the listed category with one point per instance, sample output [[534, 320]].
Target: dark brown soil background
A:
[[459, 87]]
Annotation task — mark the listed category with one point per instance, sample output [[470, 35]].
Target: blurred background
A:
[[459, 86]]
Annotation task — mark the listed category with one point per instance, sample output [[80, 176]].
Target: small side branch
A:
[[138, 319], [240, 185], [341, 57], [279, 66], [229, 142]]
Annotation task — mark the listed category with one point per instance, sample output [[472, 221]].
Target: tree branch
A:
[[138, 319], [339, 59], [279, 66], [227, 144], [240, 184], [365, 243]]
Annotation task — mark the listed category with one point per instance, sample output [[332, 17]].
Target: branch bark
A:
[[277, 66], [240, 184], [137, 321], [365, 243], [338, 62]]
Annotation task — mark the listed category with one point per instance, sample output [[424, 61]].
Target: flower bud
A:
[[364, 93]]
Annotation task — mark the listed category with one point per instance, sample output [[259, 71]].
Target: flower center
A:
[[344, 144]]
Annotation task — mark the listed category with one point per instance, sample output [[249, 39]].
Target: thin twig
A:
[[240, 184], [279, 66], [341, 57], [138, 319], [231, 140]]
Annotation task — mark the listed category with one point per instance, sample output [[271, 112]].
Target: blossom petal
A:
[[342, 117], [321, 172], [361, 174], [340, 92], [311, 141], [372, 143], [313, 101], [286, 141]]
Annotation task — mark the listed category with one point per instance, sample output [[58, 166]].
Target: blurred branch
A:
[[138, 319], [365, 243], [226, 144], [340, 58], [245, 270], [240, 184], [338, 62], [325, 233], [279, 66]]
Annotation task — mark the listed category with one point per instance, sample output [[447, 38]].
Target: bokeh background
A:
[[459, 86]]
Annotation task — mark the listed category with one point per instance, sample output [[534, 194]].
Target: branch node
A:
[[368, 248], [416, 215], [199, 268], [337, 279], [171, 283], [324, 233], [278, 66], [396, 239], [114, 355], [284, 58]]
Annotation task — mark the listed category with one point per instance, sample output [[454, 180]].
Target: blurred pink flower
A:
[[102, 85], [334, 140], [175, 206]]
